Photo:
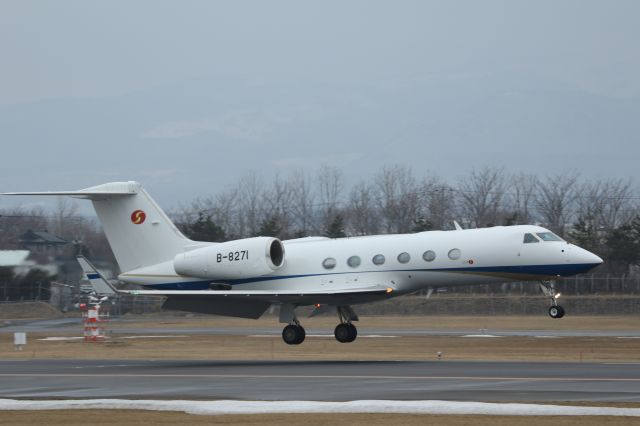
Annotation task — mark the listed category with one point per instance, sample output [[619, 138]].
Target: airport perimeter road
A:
[[332, 380]]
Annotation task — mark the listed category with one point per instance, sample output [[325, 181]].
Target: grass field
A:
[[444, 322], [243, 347]]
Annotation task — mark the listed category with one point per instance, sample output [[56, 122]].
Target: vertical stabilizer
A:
[[139, 232]]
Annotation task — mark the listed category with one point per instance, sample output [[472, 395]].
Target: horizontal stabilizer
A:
[[93, 193]]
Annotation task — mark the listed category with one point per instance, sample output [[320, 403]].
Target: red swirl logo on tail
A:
[[138, 217]]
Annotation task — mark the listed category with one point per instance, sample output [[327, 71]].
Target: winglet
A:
[[98, 282], [457, 225]]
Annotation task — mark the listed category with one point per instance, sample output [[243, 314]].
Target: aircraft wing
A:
[[98, 282], [237, 302], [262, 293]]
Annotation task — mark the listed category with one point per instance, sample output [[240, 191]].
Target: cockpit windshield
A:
[[548, 236], [529, 238]]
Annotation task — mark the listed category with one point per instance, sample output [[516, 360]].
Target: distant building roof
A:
[[13, 257], [40, 237]]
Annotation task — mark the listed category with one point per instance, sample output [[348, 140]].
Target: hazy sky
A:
[[97, 49], [188, 95]]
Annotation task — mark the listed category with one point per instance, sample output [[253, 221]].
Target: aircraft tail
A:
[[139, 232]]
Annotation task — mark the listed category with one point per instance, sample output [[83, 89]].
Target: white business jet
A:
[[243, 278]]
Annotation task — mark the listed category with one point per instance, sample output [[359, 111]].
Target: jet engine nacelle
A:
[[246, 258]]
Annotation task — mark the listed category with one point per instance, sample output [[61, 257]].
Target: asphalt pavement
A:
[[321, 380]]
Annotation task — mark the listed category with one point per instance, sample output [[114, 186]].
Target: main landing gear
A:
[[346, 332], [294, 333], [549, 289]]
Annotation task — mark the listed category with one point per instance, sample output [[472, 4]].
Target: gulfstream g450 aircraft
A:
[[243, 278]]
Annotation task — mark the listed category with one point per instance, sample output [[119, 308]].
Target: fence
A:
[[501, 305], [578, 285]]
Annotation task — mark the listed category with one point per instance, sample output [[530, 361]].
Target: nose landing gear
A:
[[556, 311], [549, 289]]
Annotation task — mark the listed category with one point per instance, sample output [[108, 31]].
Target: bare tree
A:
[[555, 200], [330, 185], [276, 201], [250, 209], [223, 213], [440, 203], [481, 196], [219, 209], [362, 214], [301, 203], [65, 210], [398, 198], [615, 206], [522, 191]]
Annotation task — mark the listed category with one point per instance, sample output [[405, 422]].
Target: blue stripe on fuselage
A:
[[526, 270]]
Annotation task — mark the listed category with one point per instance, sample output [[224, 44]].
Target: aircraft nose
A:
[[596, 259], [588, 258]]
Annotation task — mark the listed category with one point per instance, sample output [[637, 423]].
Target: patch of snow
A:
[[152, 337], [58, 339], [364, 406], [480, 335]]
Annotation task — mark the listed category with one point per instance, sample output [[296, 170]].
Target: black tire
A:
[[353, 333], [301, 335], [293, 334], [343, 333], [556, 312]]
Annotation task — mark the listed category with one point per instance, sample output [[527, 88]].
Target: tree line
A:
[[602, 215]]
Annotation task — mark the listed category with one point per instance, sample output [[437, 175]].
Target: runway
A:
[[321, 381], [74, 324]]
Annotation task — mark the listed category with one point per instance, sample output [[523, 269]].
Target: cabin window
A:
[[529, 238], [354, 261], [548, 236], [454, 254], [329, 263], [429, 256], [404, 257], [378, 259]]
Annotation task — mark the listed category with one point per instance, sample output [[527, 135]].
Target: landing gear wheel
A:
[[354, 332], [556, 312], [345, 333], [293, 334]]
